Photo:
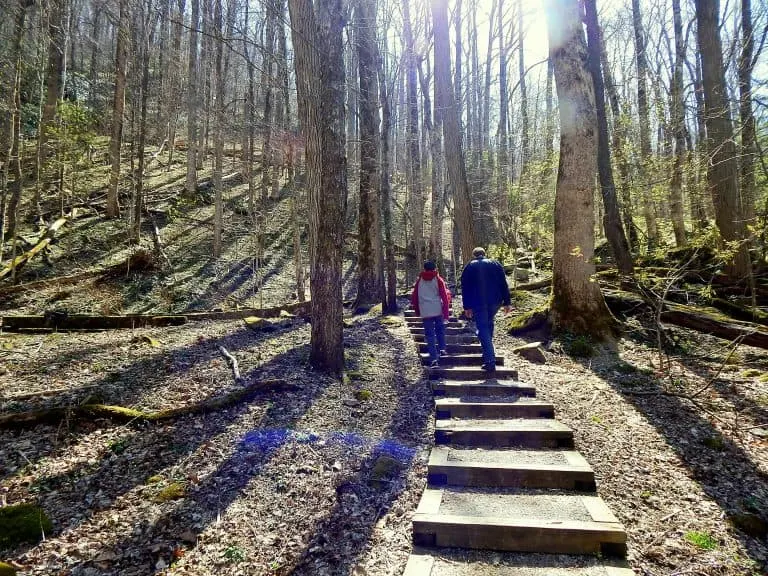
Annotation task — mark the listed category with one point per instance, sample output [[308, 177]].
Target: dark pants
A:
[[484, 323], [434, 334]]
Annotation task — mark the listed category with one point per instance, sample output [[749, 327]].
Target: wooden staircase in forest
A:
[[503, 474]]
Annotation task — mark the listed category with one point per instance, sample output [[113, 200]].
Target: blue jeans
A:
[[434, 334], [484, 323]]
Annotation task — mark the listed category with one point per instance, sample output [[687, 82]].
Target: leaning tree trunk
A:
[[612, 219], [678, 126], [319, 58], [118, 106], [649, 213], [577, 303], [192, 102], [722, 171], [457, 171], [369, 288]]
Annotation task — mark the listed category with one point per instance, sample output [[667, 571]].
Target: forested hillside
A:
[[263, 180]]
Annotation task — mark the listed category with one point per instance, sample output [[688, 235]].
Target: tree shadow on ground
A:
[[721, 467], [93, 487], [371, 489]]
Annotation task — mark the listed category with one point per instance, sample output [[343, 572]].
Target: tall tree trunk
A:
[[192, 101], [118, 108], [317, 34], [369, 288], [266, 87], [746, 115], [219, 78], [10, 214], [54, 82], [641, 64], [457, 174], [577, 303], [722, 169], [700, 199], [249, 126], [95, 39], [523, 86], [618, 138], [352, 130], [678, 126], [148, 34], [612, 218], [503, 161], [389, 300], [438, 169], [486, 121], [414, 152]]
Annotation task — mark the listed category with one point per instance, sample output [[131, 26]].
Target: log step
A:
[[416, 322], [529, 432], [492, 408], [518, 521], [450, 330], [558, 469], [484, 389], [456, 348], [470, 563], [461, 360], [471, 373], [462, 338]]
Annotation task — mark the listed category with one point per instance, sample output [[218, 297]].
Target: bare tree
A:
[[577, 303], [747, 61], [678, 126], [612, 219], [457, 172], [192, 101], [722, 169], [319, 57], [369, 288]]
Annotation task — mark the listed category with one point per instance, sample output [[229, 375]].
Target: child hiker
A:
[[432, 301]]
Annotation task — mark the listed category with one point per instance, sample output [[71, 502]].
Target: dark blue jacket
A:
[[484, 285]]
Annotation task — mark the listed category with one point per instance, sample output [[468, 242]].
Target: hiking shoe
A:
[[489, 367], [443, 353], [434, 364]]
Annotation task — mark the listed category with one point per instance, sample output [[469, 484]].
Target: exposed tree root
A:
[[131, 415]]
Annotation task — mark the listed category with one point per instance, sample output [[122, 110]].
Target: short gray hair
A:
[[478, 252]]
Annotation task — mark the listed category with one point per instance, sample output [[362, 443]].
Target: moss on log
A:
[[22, 523], [130, 415]]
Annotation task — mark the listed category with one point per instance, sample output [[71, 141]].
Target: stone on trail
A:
[[531, 352]]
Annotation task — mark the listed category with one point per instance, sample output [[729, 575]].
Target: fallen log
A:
[[534, 285], [18, 263], [748, 333], [62, 321], [121, 414]]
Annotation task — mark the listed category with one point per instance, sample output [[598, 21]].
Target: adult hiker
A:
[[483, 291], [432, 301]]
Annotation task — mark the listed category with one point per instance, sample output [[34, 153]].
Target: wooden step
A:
[[471, 373], [463, 338], [454, 331], [492, 408], [517, 521], [519, 432], [456, 348], [461, 360], [559, 469], [462, 562], [413, 321], [483, 389]]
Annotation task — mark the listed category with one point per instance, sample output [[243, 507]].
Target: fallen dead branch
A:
[[129, 415], [18, 263], [232, 361]]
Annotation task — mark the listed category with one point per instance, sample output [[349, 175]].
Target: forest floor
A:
[[323, 476]]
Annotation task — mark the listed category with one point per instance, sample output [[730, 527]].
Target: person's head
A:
[[478, 253], [429, 266]]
